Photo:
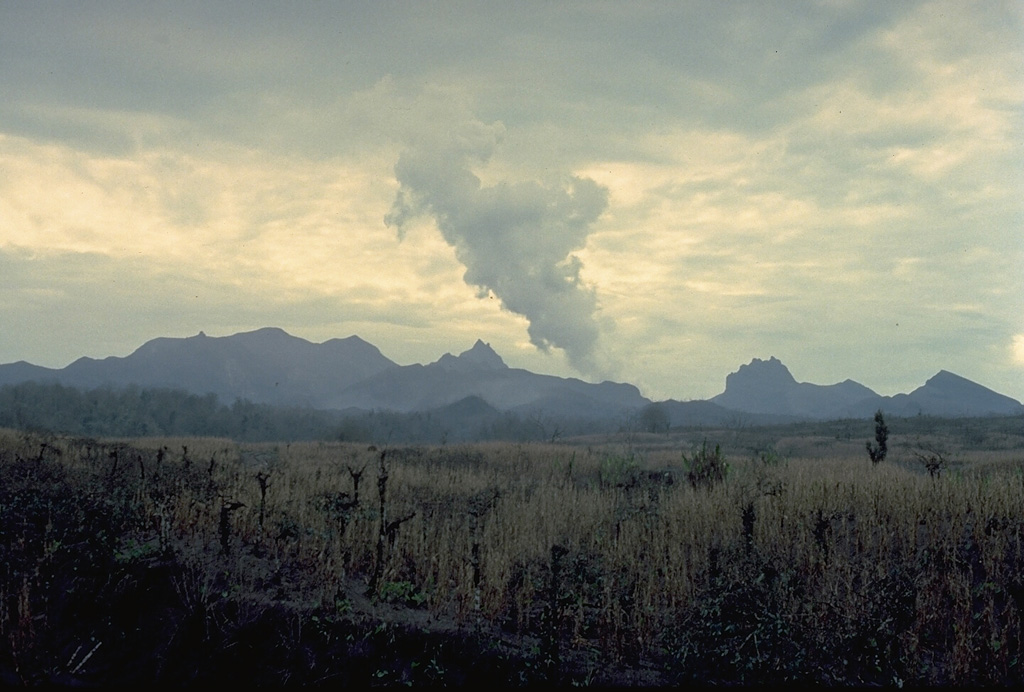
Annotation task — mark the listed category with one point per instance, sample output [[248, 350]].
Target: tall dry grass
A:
[[828, 569]]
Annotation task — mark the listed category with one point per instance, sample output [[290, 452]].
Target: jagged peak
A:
[[480, 357], [770, 370], [482, 354]]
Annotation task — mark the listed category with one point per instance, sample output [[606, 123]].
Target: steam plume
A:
[[515, 239]]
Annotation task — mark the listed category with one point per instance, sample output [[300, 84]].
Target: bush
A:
[[878, 451], [618, 470], [706, 468], [736, 630]]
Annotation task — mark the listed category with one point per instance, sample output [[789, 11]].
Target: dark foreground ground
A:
[[98, 589]]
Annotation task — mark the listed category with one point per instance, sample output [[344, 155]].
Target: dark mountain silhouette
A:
[[947, 394], [269, 366], [16, 373], [767, 387], [482, 373], [480, 357], [264, 366], [470, 407]]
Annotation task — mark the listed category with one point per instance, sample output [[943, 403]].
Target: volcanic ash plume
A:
[[515, 239]]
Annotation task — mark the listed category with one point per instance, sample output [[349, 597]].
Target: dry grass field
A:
[[734, 555]]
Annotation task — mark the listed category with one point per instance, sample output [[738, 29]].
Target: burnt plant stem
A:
[[474, 559], [382, 489], [225, 525], [356, 475], [392, 528], [552, 653], [749, 516], [113, 465], [263, 479]]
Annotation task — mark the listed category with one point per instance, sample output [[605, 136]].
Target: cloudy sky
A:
[[651, 192]]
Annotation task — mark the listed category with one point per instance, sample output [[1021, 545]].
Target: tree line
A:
[[142, 412]]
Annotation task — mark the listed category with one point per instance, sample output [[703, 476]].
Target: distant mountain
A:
[[946, 394], [480, 372], [264, 366], [269, 366], [767, 387]]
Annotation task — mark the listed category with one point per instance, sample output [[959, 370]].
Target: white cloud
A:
[[1017, 350]]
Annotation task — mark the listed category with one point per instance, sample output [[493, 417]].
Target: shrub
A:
[[706, 468], [618, 470], [933, 461], [878, 451]]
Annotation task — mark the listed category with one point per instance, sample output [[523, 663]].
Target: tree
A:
[[654, 419], [878, 451]]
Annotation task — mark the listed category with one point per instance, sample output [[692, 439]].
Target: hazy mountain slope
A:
[[947, 394], [263, 366], [482, 373], [270, 366], [767, 387], [15, 373]]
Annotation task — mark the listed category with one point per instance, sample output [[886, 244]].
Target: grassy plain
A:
[[594, 560]]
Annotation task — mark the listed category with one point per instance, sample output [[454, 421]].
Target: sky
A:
[[645, 192]]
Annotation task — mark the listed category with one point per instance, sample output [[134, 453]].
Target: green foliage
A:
[[878, 451], [401, 592], [769, 457], [618, 470], [750, 622], [134, 551], [706, 468], [737, 631]]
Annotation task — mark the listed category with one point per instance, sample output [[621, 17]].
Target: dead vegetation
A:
[[198, 560]]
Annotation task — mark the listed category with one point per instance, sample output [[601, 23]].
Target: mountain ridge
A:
[[271, 366], [767, 387]]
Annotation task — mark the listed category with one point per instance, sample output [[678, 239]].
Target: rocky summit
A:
[[767, 387]]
